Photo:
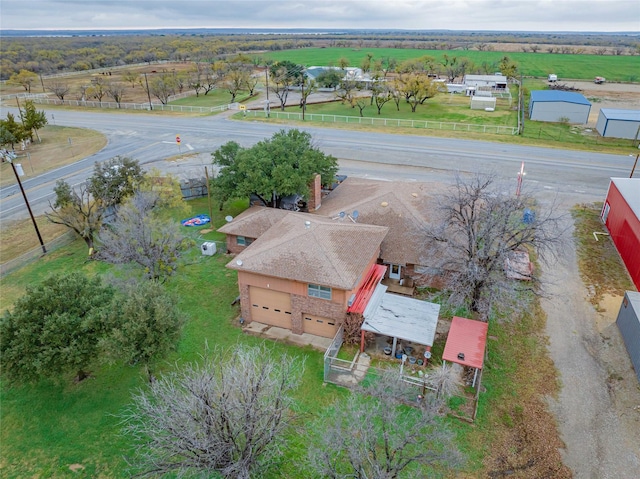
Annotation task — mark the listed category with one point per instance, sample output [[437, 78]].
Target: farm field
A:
[[566, 66]]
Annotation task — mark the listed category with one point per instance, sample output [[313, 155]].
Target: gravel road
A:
[[598, 407]]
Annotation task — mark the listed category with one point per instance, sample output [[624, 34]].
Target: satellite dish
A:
[[239, 262], [355, 214], [228, 218]]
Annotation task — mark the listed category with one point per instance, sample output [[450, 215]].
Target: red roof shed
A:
[[621, 215], [466, 342]]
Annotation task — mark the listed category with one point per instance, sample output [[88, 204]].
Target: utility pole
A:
[[148, 94], [266, 75], [9, 156], [634, 165]]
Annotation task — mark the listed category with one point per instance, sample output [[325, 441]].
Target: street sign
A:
[[243, 107], [178, 139]]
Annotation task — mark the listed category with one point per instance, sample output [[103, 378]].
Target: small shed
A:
[[629, 325], [466, 344], [557, 106], [617, 123], [482, 102], [621, 215]]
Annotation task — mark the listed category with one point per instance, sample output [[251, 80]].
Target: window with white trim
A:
[[317, 291]]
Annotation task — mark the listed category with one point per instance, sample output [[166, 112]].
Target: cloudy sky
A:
[[515, 15]]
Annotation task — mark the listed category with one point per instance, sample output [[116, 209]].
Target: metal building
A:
[[557, 106], [621, 215], [617, 123], [629, 325]]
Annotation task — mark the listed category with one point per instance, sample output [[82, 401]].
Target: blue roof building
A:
[[559, 106], [617, 123]]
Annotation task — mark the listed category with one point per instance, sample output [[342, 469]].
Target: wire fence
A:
[[388, 122], [36, 253], [131, 106]]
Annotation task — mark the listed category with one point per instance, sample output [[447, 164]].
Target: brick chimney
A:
[[315, 194]]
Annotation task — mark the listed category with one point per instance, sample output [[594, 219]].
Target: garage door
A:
[[319, 326], [270, 307]]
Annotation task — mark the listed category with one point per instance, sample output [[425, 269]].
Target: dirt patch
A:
[[608, 95]]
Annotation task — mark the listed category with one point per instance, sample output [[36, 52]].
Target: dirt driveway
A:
[[598, 407], [608, 95]]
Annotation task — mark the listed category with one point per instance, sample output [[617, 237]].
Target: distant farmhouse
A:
[[558, 106]]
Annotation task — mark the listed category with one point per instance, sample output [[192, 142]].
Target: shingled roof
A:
[[253, 222], [313, 249], [404, 207]]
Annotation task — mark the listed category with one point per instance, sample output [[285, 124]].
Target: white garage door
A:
[[270, 307], [319, 325]]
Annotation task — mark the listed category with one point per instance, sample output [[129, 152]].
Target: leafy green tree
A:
[[11, 131], [417, 88], [144, 324], [283, 165], [24, 78], [33, 119], [140, 236], [115, 179], [330, 78], [508, 67], [282, 76], [83, 207], [54, 328]]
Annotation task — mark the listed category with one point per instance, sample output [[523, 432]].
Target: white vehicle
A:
[[599, 80], [552, 77]]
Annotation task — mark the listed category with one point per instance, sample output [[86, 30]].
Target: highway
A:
[[150, 139]]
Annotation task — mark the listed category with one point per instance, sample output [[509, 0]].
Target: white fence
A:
[[356, 120]]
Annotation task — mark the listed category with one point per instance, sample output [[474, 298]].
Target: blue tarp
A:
[[196, 221]]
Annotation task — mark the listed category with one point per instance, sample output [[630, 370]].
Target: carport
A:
[[399, 317], [466, 344]]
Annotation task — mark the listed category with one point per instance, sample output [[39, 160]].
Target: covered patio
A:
[[400, 318]]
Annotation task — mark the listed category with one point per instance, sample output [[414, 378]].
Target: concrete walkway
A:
[[285, 335]]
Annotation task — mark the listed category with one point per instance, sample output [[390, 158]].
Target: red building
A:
[[621, 215]]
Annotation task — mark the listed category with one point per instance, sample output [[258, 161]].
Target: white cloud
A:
[[502, 15]]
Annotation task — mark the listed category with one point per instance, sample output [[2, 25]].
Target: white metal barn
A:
[[498, 82], [556, 106], [616, 123], [482, 102]]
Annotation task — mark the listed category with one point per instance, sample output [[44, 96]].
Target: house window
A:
[[605, 212], [242, 241], [318, 291]]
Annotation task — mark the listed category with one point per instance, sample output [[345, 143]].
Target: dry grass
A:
[[19, 237], [60, 146], [600, 265]]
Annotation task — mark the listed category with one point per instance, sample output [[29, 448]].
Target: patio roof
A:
[[467, 337], [404, 318]]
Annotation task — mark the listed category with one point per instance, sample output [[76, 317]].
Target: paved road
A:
[[151, 138]]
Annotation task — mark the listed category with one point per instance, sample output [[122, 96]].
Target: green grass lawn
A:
[[578, 67], [216, 97], [49, 426]]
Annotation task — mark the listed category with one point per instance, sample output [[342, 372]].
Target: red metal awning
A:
[[376, 273], [466, 337]]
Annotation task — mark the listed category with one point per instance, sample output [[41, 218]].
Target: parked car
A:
[[599, 80]]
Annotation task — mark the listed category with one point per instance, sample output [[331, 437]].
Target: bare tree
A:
[[371, 436], [116, 91], [131, 77], [162, 86], [98, 89], [139, 236], [59, 89], [479, 226], [226, 416]]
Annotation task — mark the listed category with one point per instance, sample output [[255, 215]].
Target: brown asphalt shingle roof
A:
[[253, 222], [326, 252], [408, 206]]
